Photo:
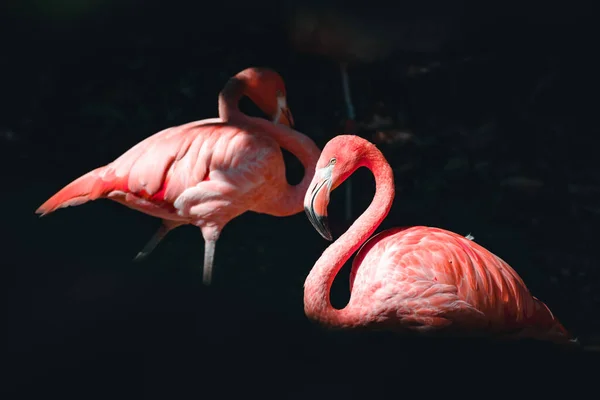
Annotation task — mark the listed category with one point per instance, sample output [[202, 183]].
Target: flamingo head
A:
[[266, 89], [340, 157]]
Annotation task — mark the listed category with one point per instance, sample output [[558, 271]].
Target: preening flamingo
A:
[[421, 279], [207, 172]]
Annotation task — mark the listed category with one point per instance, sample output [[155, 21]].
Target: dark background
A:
[[492, 135]]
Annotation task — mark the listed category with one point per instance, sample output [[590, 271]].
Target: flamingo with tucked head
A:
[[207, 172], [419, 278]]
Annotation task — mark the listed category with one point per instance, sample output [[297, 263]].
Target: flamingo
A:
[[205, 173], [416, 279]]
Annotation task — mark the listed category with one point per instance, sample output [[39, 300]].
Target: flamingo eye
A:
[[279, 93], [332, 161]]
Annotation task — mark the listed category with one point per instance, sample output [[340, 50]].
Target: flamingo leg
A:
[[158, 236], [351, 116], [209, 256]]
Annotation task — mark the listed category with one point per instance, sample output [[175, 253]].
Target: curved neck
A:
[[317, 304], [229, 98], [291, 198]]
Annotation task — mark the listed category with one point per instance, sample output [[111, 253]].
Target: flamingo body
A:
[[207, 172], [200, 173], [429, 278], [422, 279]]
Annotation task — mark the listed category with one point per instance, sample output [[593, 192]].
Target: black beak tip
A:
[[323, 229], [319, 222]]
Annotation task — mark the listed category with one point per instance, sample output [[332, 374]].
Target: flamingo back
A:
[[430, 278]]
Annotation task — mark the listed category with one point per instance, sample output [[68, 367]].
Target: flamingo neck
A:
[[290, 199], [229, 98], [317, 288]]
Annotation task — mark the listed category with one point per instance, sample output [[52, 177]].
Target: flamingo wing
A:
[[154, 174], [433, 278]]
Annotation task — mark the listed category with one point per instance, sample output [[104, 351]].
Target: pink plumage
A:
[[206, 173], [419, 278]]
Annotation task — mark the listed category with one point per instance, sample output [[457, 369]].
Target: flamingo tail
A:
[[83, 189], [557, 332]]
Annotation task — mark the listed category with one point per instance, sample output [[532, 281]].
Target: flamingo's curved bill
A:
[[284, 115], [287, 114], [316, 201]]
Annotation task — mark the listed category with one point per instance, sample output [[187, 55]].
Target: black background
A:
[[503, 145]]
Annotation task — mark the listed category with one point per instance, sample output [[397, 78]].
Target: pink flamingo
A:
[[418, 279], [207, 172]]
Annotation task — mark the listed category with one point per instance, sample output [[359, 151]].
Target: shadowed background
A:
[[483, 112]]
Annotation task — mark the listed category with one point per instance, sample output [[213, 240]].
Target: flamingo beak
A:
[[287, 114], [284, 115], [316, 201]]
